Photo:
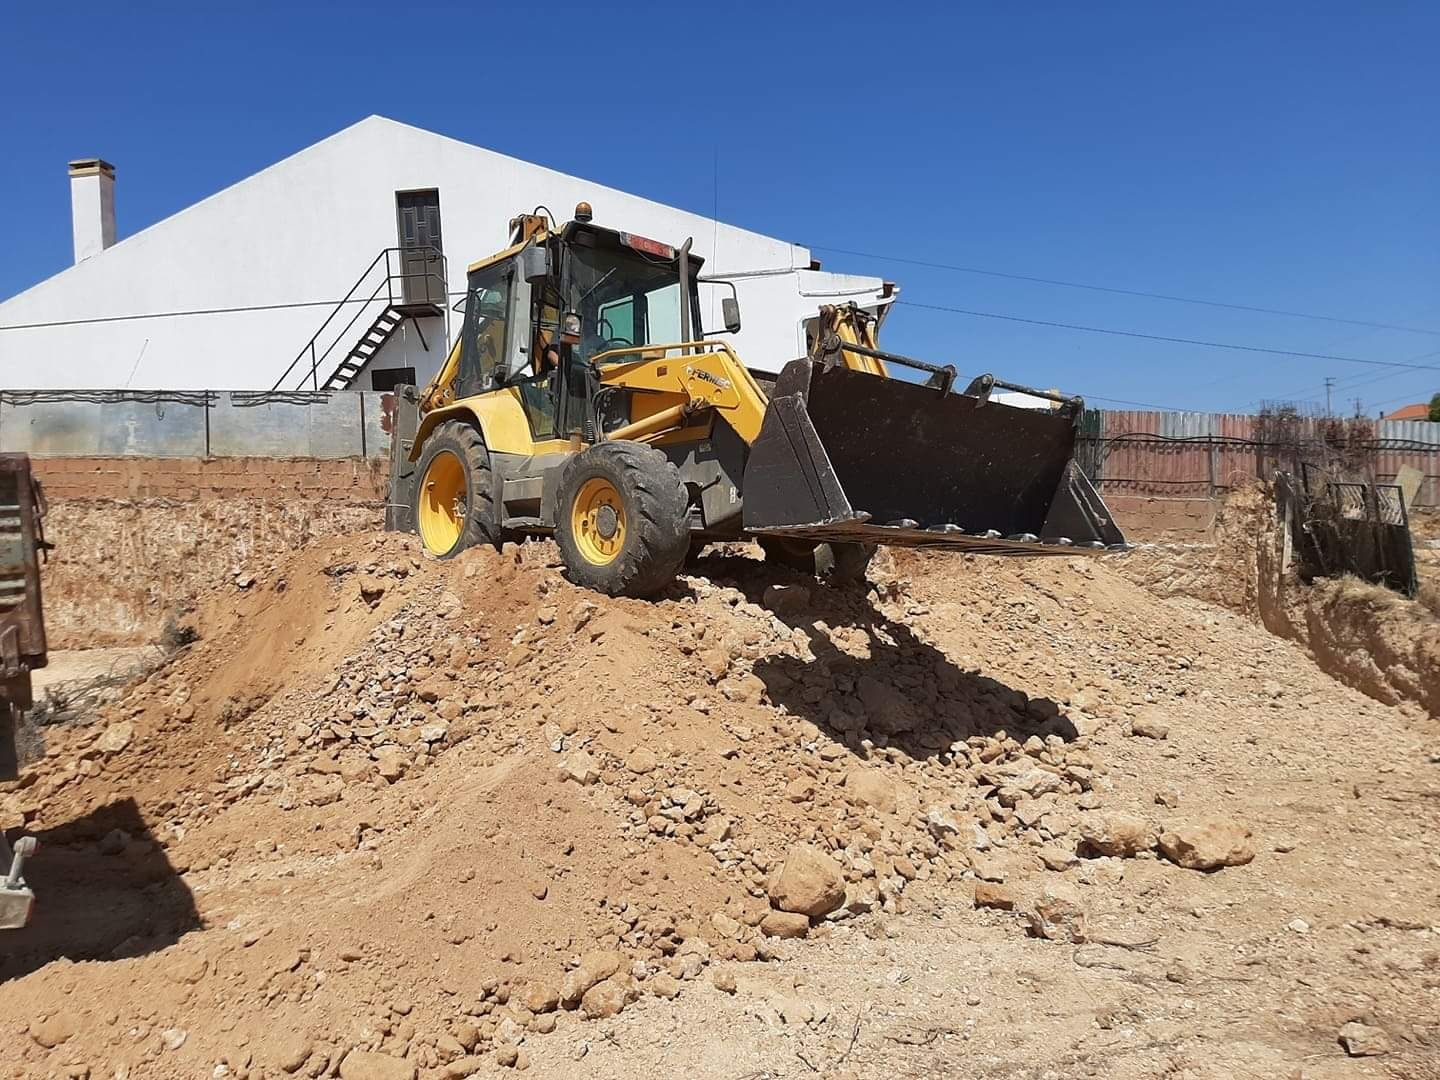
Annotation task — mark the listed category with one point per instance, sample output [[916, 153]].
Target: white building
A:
[[264, 262]]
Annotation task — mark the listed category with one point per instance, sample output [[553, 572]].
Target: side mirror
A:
[[730, 310], [534, 264]]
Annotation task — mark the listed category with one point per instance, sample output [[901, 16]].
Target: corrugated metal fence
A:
[[1146, 453], [198, 423], [1182, 454]]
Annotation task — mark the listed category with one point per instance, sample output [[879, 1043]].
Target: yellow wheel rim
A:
[[597, 521], [443, 507]]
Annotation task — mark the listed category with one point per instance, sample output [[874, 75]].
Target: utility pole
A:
[[1329, 385]]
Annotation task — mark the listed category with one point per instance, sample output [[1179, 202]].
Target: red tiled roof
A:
[[1418, 411]]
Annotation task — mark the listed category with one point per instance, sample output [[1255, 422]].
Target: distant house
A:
[[1419, 411], [286, 245]]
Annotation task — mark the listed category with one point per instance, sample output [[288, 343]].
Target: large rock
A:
[[642, 760], [595, 966], [54, 1029], [364, 1065], [580, 767], [872, 788], [886, 709], [290, 1050], [1149, 725], [1120, 835], [784, 924], [116, 737], [541, 997], [1362, 1040], [1058, 915], [808, 882], [1208, 844], [1036, 782], [992, 895], [786, 599], [603, 1000], [942, 822], [1057, 858], [391, 762]]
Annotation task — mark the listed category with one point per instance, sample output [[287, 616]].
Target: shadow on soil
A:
[[91, 904], [906, 695]]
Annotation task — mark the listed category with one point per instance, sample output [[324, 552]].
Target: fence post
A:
[[1211, 459], [364, 455]]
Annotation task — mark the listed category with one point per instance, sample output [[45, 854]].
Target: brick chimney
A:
[[92, 206]]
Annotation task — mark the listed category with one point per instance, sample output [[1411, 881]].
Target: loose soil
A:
[[390, 817]]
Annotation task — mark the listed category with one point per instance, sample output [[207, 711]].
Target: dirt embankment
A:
[[137, 541], [1366, 636], [394, 818]]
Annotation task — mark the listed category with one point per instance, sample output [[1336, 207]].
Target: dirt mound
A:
[[395, 817], [506, 774], [448, 795]]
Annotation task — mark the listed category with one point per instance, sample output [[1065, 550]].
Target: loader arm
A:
[[842, 331], [668, 390], [440, 391]]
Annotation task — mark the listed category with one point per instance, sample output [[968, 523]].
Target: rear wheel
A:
[[622, 519], [454, 501], [837, 563]]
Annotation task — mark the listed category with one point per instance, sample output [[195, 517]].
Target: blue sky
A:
[[1273, 155]]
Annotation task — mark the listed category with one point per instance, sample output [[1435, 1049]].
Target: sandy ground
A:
[[388, 813]]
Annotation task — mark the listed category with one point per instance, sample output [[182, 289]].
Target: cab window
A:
[[625, 299], [483, 342]]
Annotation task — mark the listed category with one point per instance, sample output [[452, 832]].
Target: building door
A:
[[417, 217]]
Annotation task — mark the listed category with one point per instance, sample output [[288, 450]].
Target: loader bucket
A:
[[847, 456]]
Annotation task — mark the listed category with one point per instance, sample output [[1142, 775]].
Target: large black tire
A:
[[836, 563], [453, 514], [647, 539]]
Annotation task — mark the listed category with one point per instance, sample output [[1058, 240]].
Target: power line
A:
[[1347, 385], [1349, 382], [1166, 338], [194, 311], [1140, 404], [1391, 401], [1130, 292]]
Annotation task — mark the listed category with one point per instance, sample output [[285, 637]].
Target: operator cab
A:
[[537, 316]]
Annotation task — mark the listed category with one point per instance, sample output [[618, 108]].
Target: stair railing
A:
[[317, 358]]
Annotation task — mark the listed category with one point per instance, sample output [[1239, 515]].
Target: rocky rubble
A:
[[556, 807]]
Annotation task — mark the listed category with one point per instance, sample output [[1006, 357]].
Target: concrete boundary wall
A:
[[193, 424]]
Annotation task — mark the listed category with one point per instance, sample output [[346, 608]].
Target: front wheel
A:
[[454, 501], [622, 519]]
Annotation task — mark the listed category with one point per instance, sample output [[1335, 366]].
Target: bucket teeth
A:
[[1062, 541], [989, 534], [903, 523], [948, 527], [1024, 538]]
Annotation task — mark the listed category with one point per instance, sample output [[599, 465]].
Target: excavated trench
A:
[[1364, 636]]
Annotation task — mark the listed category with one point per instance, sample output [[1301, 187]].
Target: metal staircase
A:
[[399, 284]]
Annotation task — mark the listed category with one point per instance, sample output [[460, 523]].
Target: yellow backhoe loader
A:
[[582, 400]]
